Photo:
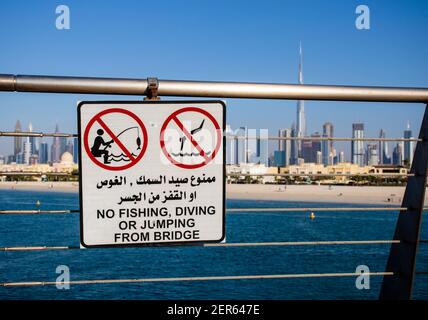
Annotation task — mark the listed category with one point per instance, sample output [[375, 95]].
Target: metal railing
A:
[[184, 279], [309, 138], [179, 88], [244, 244], [399, 275], [235, 210]]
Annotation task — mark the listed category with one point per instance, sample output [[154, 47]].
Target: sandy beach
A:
[[300, 193], [314, 193]]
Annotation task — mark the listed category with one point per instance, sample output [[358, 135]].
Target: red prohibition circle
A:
[[174, 116], [96, 118]]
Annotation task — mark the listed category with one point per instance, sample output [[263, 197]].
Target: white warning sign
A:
[[151, 173]]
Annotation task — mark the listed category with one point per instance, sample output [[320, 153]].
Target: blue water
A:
[[54, 230]]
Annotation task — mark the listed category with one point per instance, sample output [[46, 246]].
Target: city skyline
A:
[[256, 149], [238, 150], [311, 150], [234, 50], [31, 150]]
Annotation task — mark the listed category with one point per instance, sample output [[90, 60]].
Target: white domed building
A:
[[66, 158], [66, 164]]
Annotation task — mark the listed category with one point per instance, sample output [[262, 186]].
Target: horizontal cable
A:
[[38, 173], [39, 248], [244, 244], [318, 209], [301, 243], [67, 135], [212, 278], [35, 134], [319, 174], [34, 173], [229, 137], [40, 211], [305, 209]]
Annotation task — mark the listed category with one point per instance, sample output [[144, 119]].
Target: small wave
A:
[[121, 159], [111, 156]]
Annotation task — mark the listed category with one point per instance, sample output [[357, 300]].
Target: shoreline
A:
[[291, 193], [68, 187]]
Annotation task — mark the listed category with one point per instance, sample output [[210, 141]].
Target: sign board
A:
[[151, 172]]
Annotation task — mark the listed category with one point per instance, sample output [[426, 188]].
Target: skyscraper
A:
[[17, 140], [63, 145], [408, 146], [294, 154], [316, 147], [69, 147], [285, 145], [384, 157], [301, 119], [262, 147], [307, 151], [257, 146], [372, 155], [27, 150], [397, 154], [229, 143], [341, 157], [231, 146], [327, 146], [325, 151], [76, 150], [56, 147], [279, 158], [319, 157], [328, 130], [32, 140], [358, 146], [43, 153], [242, 145]]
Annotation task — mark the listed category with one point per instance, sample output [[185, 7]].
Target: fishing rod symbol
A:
[[99, 143]]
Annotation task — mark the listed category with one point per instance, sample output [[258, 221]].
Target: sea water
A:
[[119, 263]]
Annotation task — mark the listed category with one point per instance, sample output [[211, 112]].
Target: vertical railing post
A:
[[402, 256]]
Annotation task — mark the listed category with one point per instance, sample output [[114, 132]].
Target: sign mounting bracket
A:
[[152, 89]]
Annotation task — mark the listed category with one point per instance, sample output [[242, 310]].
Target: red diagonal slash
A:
[[115, 139], [189, 136]]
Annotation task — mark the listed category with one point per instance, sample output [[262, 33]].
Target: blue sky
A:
[[219, 40]]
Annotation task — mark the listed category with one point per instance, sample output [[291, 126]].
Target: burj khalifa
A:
[[301, 119]]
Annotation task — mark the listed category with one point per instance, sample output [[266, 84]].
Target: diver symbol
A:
[[184, 138], [195, 148]]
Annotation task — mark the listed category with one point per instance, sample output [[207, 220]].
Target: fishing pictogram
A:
[[114, 151]]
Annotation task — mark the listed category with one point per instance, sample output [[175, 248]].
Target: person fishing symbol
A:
[[97, 149], [98, 143]]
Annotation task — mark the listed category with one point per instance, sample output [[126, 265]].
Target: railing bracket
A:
[[152, 89]]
